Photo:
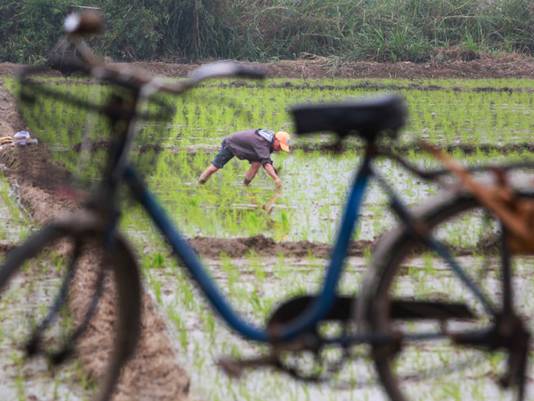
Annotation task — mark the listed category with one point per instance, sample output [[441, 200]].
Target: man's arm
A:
[[270, 171], [251, 173]]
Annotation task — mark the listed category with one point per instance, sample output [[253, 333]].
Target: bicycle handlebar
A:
[[79, 25]]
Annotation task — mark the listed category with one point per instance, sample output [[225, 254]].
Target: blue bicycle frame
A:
[[190, 259], [325, 298]]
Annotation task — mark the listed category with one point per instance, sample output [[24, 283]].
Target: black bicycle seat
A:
[[362, 117]]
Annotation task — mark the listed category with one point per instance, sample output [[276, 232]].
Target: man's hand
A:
[[272, 173]]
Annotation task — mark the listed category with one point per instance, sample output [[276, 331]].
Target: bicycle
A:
[[294, 328]]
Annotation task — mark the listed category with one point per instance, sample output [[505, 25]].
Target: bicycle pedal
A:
[[290, 309]]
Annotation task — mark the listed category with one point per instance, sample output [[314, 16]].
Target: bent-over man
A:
[[254, 145]]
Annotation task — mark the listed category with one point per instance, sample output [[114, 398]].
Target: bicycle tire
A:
[[391, 276], [120, 262]]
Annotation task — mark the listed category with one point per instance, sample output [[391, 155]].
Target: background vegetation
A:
[[185, 30]]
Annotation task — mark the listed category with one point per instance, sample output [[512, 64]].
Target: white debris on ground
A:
[[20, 138]]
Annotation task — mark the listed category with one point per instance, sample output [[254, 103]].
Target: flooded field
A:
[[481, 114], [494, 118], [309, 206]]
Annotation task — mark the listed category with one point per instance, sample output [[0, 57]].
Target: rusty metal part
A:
[[524, 210]]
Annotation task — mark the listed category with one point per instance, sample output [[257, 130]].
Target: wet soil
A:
[[263, 246], [446, 66]]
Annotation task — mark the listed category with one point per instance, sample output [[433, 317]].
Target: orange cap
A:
[[283, 138]]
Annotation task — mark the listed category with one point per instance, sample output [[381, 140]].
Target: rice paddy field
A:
[[493, 119]]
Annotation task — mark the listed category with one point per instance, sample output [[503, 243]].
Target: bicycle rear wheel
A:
[[404, 268], [37, 277]]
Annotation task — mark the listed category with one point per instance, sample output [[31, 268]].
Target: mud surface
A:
[[263, 246], [450, 66]]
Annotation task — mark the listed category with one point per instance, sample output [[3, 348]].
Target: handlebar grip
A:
[[88, 22]]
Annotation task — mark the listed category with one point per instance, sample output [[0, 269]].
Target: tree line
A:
[[190, 30]]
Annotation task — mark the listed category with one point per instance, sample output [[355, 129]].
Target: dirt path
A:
[[153, 374], [447, 64]]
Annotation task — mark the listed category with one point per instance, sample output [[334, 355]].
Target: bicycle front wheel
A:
[[36, 282], [414, 296]]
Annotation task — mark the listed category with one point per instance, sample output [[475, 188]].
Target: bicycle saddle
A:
[[362, 117]]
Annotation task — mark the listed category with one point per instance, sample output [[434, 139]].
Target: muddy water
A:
[[256, 285]]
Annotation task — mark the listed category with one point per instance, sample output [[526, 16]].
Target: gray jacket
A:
[[250, 145]]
